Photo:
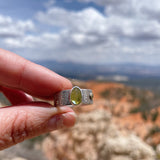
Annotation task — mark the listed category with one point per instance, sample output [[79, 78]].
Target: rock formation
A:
[[95, 137]]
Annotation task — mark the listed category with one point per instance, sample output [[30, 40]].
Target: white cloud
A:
[[91, 22], [130, 8], [87, 20], [5, 20], [49, 3], [105, 2], [10, 28], [128, 31]]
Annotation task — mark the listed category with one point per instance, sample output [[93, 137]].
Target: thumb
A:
[[18, 123]]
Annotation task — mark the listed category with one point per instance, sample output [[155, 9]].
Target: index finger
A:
[[19, 73]]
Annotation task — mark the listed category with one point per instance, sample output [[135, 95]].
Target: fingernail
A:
[[62, 120]]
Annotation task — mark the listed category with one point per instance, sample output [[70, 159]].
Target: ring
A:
[[74, 96]]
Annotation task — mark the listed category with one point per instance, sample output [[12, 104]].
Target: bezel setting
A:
[[76, 96]]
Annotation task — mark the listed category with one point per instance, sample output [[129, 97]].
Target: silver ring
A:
[[74, 96]]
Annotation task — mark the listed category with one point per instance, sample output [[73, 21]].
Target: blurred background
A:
[[109, 46]]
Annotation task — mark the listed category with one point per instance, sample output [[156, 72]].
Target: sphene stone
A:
[[76, 96]]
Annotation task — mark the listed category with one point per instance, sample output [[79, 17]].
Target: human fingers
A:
[[34, 79], [23, 122], [16, 96]]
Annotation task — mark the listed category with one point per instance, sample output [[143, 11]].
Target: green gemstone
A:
[[76, 96]]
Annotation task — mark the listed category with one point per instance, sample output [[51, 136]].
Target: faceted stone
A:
[[91, 96], [76, 96]]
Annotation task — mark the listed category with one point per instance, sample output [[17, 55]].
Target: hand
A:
[[25, 118]]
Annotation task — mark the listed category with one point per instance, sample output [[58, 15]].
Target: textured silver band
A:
[[64, 97]]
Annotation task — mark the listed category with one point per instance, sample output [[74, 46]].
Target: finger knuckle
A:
[[19, 127]]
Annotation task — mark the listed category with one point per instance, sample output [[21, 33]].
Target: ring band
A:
[[74, 96]]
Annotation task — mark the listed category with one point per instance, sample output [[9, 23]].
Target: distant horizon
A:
[[97, 64]]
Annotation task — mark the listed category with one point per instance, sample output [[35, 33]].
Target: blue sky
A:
[[82, 31]]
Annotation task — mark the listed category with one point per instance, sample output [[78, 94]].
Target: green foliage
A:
[[158, 156], [147, 100], [133, 92], [144, 116], [118, 93], [106, 94], [154, 116], [134, 110], [154, 130]]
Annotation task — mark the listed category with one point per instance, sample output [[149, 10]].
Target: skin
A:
[[24, 119]]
